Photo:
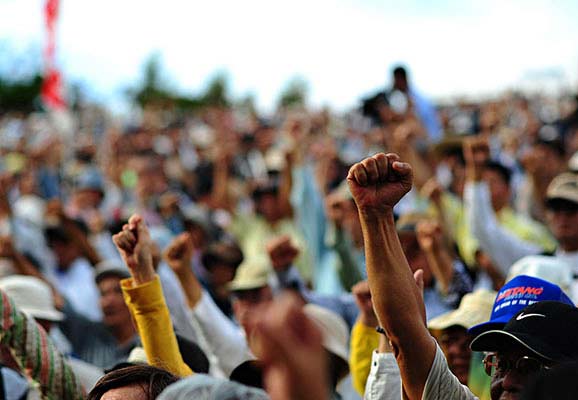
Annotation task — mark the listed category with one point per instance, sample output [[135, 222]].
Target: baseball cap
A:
[[549, 329], [563, 187], [517, 294], [110, 268], [474, 309], [32, 296]]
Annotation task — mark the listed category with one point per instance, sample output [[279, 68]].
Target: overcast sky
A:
[[343, 48]]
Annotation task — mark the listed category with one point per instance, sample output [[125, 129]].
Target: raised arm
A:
[[377, 184], [144, 297]]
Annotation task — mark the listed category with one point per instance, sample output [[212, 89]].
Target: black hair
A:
[[151, 379], [502, 170], [227, 253], [400, 71], [249, 373]]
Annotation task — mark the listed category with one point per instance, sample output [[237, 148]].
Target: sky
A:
[[344, 49]]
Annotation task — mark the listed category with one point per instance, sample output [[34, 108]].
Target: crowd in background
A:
[[231, 210]]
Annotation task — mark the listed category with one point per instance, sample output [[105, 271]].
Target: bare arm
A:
[[178, 256], [377, 184]]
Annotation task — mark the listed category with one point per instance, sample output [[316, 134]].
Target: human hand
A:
[[476, 154], [179, 253], [290, 347], [379, 182], [362, 297], [134, 245], [432, 190], [282, 252], [429, 235], [7, 249]]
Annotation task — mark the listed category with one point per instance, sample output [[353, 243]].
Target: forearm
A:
[[441, 266], [397, 300], [191, 287]]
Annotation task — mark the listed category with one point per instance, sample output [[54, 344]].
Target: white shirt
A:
[[226, 340], [78, 286]]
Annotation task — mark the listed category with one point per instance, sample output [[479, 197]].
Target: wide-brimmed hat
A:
[[32, 296], [333, 330], [474, 309]]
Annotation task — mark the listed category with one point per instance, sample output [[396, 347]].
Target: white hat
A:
[[333, 328], [32, 296], [474, 309], [548, 268]]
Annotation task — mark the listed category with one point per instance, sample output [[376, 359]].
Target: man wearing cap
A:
[[543, 334]]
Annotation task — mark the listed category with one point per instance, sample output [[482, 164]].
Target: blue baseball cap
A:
[[516, 295]]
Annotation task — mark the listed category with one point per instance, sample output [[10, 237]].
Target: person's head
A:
[[540, 336], [562, 210], [88, 190], [400, 81], [115, 313], [63, 246], [221, 259], [451, 330], [266, 199], [205, 387], [137, 382], [498, 179], [251, 292]]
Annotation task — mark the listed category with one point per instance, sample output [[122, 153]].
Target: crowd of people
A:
[[400, 250]]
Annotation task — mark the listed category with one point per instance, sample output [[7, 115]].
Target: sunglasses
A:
[[494, 365]]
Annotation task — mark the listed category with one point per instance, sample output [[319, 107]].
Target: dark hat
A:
[[548, 329], [518, 293]]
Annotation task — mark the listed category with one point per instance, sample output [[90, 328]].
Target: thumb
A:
[[418, 276]]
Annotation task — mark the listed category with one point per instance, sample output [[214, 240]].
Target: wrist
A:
[[373, 213], [143, 276], [368, 320]]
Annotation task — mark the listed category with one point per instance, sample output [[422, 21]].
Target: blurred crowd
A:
[[232, 210]]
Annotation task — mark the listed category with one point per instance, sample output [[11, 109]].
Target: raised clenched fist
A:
[[379, 182], [179, 253], [135, 246]]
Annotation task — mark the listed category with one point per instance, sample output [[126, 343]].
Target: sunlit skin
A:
[[115, 313], [133, 392]]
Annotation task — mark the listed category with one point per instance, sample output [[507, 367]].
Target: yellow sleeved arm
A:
[[147, 305]]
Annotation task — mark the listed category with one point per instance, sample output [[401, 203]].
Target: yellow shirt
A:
[[149, 309], [364, 340]]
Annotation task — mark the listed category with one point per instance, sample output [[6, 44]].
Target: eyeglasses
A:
[[494, 365]]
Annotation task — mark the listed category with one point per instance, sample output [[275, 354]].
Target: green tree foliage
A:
[[294, 94], [21, 95], [154, 90]]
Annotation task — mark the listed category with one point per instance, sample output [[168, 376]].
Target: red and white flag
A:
[[52, 90]]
